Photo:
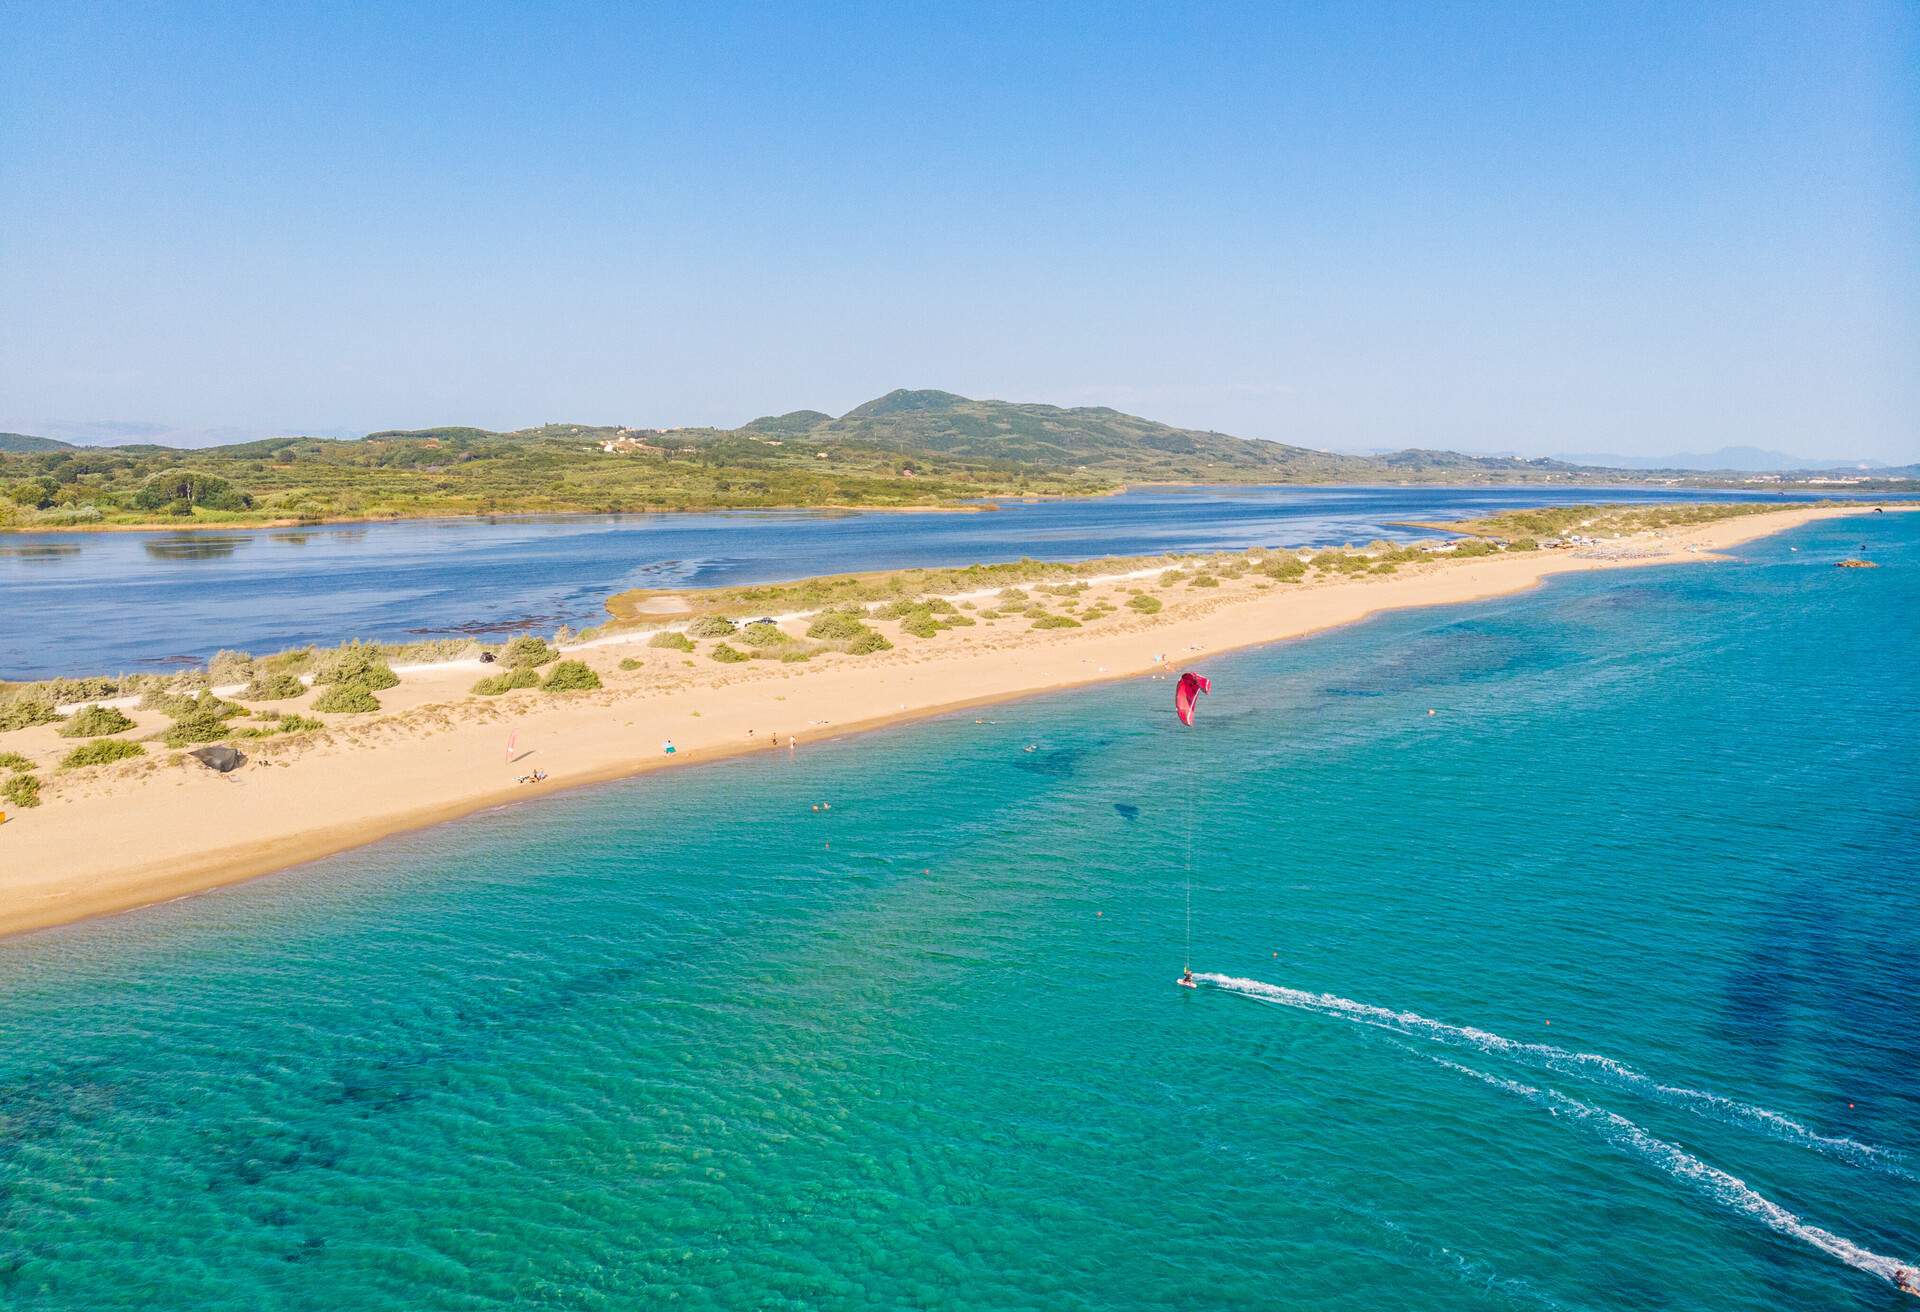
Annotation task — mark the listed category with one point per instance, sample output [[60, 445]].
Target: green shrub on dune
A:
[[528, 651], [1144, 604], [95, 721], [201, 725], [100, 752], [25, 711], [836, 626], [711, 626], [273, 688], [506, 681], [23, 790], [14, 761], [728, 655], [764, 635], [359, 664], [670, 639], [571, 676], [347, 699]]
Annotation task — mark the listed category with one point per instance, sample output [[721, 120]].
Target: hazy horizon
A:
[[1640, 231]]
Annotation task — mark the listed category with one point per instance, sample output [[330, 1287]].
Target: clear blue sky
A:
[[1618, 227]]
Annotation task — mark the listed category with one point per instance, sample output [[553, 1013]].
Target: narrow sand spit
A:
[[117, 837]]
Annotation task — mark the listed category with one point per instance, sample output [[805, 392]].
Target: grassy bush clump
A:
[[95, 722], [25, 711], [1203, 581], [836, 626], [629, 663], [711, 626], [920, 626], [763, 635], [1523, 544], [205, 703], [14, 761], [285, 722], [296, 661], [273, 687], [1475, 547], [358, 664], [196, 727], [347, 699], [571, 676], [1056, 622], [506, 681], [87, 688], [1144, 604], [230, 667], [529, 652], [795, 654], [669, 639], [100, 752], [23, 790], [868, 642], [728, 655], [1013, 594], [1287, 569]]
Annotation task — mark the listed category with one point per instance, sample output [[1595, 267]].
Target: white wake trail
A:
[[1728, 1190], [1589, 1065]]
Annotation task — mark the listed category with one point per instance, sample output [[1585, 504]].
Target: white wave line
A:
[[1728, 1190], [1589, 1065]]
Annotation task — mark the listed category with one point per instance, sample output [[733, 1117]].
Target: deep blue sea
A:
[[107, 603], [1593, 989]]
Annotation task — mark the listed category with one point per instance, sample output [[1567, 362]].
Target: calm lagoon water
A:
[[682, 1041], [89, 603]]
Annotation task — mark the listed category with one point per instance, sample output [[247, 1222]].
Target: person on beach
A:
[[667, 747]]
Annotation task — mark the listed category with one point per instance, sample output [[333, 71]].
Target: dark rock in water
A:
[[223, 759], [1127, 810]]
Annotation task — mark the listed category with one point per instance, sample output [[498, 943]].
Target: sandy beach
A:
[[117, 837]]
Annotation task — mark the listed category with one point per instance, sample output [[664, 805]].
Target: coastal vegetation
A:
[[95, 722], [1522, 529], [506, 681], [571, 676], [347, 699], [908, 448], [22, 790], [101, 751]]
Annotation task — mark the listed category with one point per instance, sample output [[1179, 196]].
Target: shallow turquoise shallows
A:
[[1595, 988]]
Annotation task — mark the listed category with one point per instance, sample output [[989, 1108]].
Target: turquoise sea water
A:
[[684, 1041]]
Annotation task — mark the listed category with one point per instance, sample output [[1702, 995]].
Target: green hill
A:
[[903, 449], [23, 442]]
